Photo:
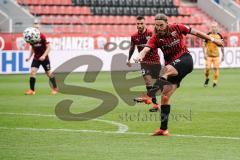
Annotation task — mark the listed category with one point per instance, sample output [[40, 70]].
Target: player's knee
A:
[[165, 99], [148, 83], [170, 70], [49, 74], [215, 68], [33, 73]]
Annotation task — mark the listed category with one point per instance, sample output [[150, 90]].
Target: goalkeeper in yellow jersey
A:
[[211, 55]]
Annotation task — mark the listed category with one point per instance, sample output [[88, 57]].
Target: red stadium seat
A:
[[101, 19], [56, 29], [108, 27], [45, 10], [132, 20], [34, 2], [184, 11], [78, 29], [58, 19], [46, 2], [91, 19], [172, 19], [91, 29], [86, 11], [66, 2], [86, 19], [42, 2], [115, 29], [77, 10], [111, 19], [44, 19], [27, 2], [54, 10], [57, 2], [123, 19], [62, 10], [32, 9], [68, 10], [67, 29], [185, 20], [67, 19], [63, 13], [102, 29], [74, 19], [177, 2], [150, 20], [121, 29], [21, 2]]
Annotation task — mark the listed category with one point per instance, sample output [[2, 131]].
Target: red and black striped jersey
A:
[[171, 44], [140, 40], [40, 47]]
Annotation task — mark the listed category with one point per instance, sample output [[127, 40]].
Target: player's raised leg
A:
[[162, 81]]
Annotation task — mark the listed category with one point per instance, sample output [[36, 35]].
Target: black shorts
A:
[[184, 66], [151, 69], [45, 64]]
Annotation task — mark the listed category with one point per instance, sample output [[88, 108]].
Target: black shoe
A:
[[155, 108], [206, 82], [214, 85]]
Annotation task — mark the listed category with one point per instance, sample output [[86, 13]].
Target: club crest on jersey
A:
[[174, 33]]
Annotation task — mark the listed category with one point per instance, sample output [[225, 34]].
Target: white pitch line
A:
[[113, 132], [119, 131], [122, 128]]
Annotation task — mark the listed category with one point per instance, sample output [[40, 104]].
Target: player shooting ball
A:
[[40, 49], [178, 61]]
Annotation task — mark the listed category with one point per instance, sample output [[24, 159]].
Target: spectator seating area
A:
[[110, 16]]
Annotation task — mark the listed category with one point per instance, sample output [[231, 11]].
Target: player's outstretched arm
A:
[[142, 54], [206, 37], [130, 53]]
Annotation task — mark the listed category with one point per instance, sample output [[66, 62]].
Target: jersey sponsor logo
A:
[[37, 45], [175, 42]]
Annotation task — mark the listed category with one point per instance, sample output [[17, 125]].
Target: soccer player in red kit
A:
[[40, 50], [150, 66], [178, 61]]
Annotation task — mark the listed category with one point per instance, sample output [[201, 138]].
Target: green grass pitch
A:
[[204, 123]]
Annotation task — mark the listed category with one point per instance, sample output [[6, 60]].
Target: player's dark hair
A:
[[161, 16], [140, 18]]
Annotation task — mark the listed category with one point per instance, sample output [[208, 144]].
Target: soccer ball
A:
[[31, 35]]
